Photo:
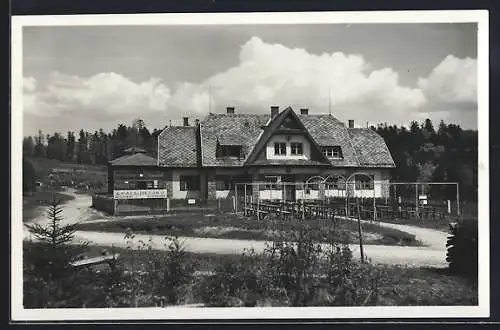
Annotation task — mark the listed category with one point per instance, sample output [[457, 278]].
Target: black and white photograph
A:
[[251, 165]]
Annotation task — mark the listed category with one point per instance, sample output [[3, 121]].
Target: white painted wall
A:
[[270, 194], [301, 194], [283, 139], [222, 193], [176, 189]]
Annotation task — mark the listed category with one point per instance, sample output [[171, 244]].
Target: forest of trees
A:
[[421, 153], [95, 148], [425, 154]]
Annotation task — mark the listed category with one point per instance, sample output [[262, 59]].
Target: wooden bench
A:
[[89, 262]]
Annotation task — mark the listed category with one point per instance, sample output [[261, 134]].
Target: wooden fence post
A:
[[360, 233]]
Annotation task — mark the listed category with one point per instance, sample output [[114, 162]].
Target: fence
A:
[[108, 204], [377, 199]]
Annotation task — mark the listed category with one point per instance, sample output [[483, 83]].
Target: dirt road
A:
[[433, 254]]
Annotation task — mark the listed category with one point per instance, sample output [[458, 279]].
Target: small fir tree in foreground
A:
[[54, 249]]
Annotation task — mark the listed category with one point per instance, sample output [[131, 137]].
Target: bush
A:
[[462, 250], [163, 277], [294, 270], [233, 284]]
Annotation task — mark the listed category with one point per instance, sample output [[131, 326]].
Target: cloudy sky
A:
[[97, 77]]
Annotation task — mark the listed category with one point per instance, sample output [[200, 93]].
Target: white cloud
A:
[[452, 83], [267, 74], [103, 96], [270, 74], [29, 84]]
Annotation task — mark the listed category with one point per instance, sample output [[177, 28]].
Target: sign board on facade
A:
[[139, 194], [191, 201]]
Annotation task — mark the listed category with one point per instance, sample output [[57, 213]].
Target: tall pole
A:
[[416, 199], [245, 187], [235, 198], [458, 202], [209, 99], [360, 233], [346, 196], [330, 101], [258, 201], [374, 203]]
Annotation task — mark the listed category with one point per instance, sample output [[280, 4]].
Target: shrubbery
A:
[[295, 270], [462, 250], [156, 278]]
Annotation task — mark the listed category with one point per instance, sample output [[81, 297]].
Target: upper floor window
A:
[[296, 148], [280, 148], [332, 151]]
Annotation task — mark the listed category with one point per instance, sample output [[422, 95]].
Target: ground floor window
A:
[[335, 184], [272, 182], [189, 182], [223, 182], [364, 183]]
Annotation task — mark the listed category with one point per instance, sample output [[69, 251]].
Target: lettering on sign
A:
[[139, 194]]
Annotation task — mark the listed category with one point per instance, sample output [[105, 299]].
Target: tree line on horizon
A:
[[421, 152]]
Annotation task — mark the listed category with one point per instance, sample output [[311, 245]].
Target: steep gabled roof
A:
[[138, 159], [271, 129], [370, 148], [177, 147], [329, 131]]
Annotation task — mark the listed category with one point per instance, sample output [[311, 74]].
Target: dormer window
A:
[[229, 151], [332, 151]]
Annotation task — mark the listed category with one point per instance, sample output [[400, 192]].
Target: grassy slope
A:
[[237, 227], [33, 204], [44, 165]]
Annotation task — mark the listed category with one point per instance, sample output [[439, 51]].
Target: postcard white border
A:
[[18, 313]]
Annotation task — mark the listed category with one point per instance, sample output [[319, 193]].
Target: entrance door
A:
[[289, 194]]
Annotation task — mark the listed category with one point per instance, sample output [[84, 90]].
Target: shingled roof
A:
[[329, 131], [245, 128], [177, 147], [370, 148], [271, 128], [138, 159]]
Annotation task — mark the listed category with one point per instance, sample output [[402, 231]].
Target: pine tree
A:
[[82, 148], [40, 150], [55, 250], [70, 146]]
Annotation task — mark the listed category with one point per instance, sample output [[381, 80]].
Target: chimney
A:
[[230, 110], [186, 121], [197, 122], [351, 123], [304, 111], [274, 111]]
